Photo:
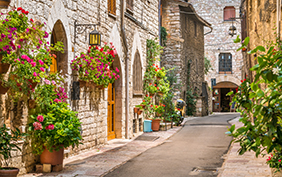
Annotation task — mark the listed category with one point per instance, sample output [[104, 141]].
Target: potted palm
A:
[[8, 143]]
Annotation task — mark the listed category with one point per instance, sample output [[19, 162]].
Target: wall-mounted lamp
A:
[[232, 30], [94, 36]]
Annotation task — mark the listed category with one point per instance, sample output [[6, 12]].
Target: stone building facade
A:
[[220, 49], [127, 26], [184, 49], [260, 24]]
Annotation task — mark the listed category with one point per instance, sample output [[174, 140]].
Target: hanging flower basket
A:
[[152, 94], [31, 104], [158, 78], [139, 112], [160, 93], [136, 110], [143, 106], [4, 3], [3, 89], [4, 67]]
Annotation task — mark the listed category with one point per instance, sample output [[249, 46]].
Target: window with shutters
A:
[[137, 74], [225, 63], [229, 12], [112, 7], [129, 5]]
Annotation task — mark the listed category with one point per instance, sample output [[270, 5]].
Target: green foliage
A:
[[190, 95], [8, 142], [265, 133], [274, 160], [163, 36], [208, 65]]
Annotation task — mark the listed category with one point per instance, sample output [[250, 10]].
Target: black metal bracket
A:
[[81, 28]]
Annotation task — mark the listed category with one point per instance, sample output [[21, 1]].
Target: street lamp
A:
[[232, 30], [94, 36]]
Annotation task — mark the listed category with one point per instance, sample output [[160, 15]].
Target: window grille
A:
[[225, 63], [112, 7]]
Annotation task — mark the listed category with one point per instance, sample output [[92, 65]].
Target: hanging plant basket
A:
[[3, 89], [136, 110], [4, 3], [158, 78], [151, 94], [139, 112], [33, 84], [143, 106], [4, 67]]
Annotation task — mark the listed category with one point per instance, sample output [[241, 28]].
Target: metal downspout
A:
[[127, 70], [278, 4]]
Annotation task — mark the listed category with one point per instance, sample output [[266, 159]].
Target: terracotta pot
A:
[[152, 94], [33, 84], [53, 158], [4, 67], [4, 3], [3, 89], [277, 174], [158, 78], [9, 172], [136, 110], [139, 112], [143, 106], [31, 104], [156, 124]]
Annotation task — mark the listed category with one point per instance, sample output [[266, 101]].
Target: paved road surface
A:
[[201, 143]]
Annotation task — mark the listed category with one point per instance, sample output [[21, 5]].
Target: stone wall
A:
[[219, 40], [140, 24], [184, 46]]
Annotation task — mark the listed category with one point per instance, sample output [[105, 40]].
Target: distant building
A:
[[221, 50], [184, 49]]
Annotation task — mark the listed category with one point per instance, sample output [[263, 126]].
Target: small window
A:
[[195, 28], [229, 13], [112, 7], [137, 75], [225, 63], [129, 5]]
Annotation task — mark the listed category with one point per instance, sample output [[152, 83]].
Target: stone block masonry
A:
[[59, 15]]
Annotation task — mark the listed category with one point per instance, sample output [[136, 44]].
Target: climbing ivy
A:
[[190, 95]]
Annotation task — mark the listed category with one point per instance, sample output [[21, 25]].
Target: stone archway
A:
[[119, 103], [59, 35]]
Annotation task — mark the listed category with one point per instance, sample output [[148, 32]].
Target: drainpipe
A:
[[127, 70], [278, 17]]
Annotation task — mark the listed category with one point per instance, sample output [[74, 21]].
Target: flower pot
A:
[[9, 172], [53, 158], [158, 78], [4, 67], [143, 106], [152, 94], [4, 3], [31, 104], [136, 110], [156, 124], [277, 174], [3, 89], [139, 112], [33, 85]]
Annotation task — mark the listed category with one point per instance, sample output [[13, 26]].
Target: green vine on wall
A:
[[190, 95], [163, 36]]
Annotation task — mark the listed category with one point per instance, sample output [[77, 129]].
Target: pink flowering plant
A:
[[274, 160], [25, 47], [96, 65], [52, 122]]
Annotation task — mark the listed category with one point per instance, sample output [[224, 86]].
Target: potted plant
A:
[[159, 110], [152, 89], [156, 124], [274, 162], [136, 109], [163, 87], [139, 111], [53, 125], [160, 74], [96, 66], [8, 143]]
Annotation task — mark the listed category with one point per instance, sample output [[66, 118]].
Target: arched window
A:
[[229, 12], [225, 63], [137, 74]]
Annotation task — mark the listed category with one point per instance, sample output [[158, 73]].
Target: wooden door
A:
[[111, 112]]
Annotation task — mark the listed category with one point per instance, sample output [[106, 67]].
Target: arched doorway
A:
[[221, 102], [60, 62], [115, 105]]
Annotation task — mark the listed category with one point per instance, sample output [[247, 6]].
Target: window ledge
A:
[[225, 72], [137, 94], [112, 15], [129, 11]]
